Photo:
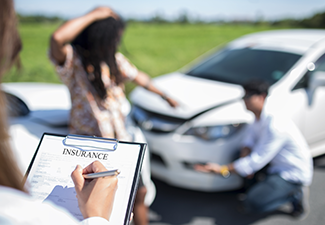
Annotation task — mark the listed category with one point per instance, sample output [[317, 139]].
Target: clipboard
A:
[[48, 175]]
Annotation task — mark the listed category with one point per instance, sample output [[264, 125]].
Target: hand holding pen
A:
[[102, 174], [95, 196]]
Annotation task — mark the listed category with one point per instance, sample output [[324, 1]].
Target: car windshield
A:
[[238, 66]]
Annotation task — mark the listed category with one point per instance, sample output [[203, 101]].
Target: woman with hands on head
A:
[[16, 205], [84, 52]]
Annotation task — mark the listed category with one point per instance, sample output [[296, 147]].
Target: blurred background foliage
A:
[[157, 46]]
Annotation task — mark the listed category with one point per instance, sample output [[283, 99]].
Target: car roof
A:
[[297, 41]]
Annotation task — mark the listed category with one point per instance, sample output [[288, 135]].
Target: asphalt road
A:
[[180, 206]]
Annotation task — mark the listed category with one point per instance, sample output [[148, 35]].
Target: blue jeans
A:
[[269, 194]]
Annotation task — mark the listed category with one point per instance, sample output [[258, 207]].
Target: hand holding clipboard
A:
[[57, 156]]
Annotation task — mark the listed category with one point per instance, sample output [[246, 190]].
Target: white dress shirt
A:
[[276, 140], [18, 208]]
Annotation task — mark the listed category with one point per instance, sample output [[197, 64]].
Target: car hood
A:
[[49, 104], [193, 94], [40, 96]]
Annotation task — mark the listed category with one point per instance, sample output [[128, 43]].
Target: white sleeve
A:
[[248, 140], [49, 213], [66, 218], [19, 208], [95, 221], [271, 141], [60, 215]]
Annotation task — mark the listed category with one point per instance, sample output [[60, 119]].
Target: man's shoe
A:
[[301, 207]]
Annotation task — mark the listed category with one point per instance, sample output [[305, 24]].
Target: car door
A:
[[315, 113], [313, 122]]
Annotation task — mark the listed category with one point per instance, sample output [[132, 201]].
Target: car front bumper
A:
[[173, 157]]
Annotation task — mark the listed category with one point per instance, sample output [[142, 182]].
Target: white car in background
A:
[[36, 108], [210, 122]]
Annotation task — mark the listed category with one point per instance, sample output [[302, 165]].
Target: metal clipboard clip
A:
[[87, 143]]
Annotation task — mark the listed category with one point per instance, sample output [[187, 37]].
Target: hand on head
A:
[[95, 197], [103, 12]]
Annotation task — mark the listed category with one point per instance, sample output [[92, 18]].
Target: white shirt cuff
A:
[[95, 221], [243, 167]]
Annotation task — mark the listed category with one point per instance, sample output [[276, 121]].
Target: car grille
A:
[[155, 122], [157, 159]]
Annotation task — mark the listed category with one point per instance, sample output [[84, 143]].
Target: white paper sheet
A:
[[49, 178]]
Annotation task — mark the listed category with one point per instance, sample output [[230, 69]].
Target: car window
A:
[[241, 65], [319, 66], [15, 106]]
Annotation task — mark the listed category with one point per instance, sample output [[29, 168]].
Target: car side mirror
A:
[[317, 79]]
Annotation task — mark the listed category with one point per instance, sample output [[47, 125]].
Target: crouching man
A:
[[274, 141]]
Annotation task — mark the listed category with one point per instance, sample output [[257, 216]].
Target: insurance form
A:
[[49, 176]]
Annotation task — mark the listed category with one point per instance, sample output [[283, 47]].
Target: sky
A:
[[171, 9]]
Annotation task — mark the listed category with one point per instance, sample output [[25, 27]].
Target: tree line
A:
[[315, 21]]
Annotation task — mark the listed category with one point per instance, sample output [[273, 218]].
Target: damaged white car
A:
[[210, 122]]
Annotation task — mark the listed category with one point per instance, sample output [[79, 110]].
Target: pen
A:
[[102, 174]]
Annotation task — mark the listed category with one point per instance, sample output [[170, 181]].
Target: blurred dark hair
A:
[[256, 87], [98, 43]]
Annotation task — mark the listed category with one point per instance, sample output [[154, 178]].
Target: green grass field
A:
[[154, 48]]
